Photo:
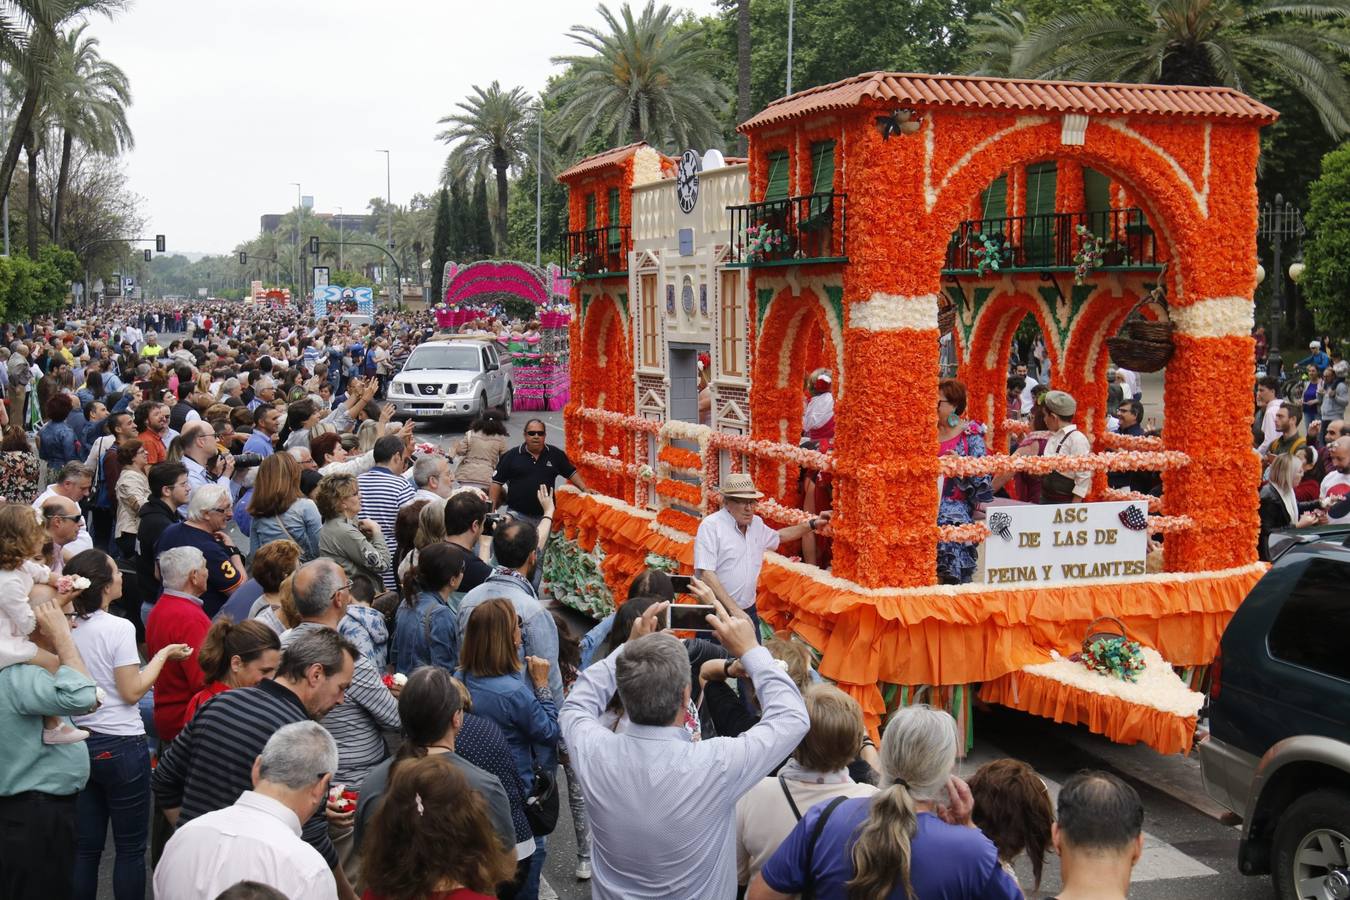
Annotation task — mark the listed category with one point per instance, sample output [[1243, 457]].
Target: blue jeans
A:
[[529, 890], [118, 792]]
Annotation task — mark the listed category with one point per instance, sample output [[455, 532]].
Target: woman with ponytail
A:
[[913, 840], [235, 655]]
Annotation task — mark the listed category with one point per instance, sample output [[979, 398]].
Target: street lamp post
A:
[[339, 239], [1279, 221], [539, 189], [299, 211], [389, 214], [789, 49]]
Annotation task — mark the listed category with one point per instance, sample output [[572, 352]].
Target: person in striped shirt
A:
[[210, 763], [384, 491]]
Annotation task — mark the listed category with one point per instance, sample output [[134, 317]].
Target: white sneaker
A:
[[546, 891], [66, 734], [583, 870]]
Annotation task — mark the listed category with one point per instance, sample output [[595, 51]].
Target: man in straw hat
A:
[[730, 544]]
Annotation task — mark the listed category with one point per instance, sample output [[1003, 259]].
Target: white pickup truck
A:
[[454, 377]]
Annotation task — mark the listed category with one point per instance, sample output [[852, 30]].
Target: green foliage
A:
[[440, 246], [29, 288], [644, 77], [573, 577], [348, 278], [1327, 255]]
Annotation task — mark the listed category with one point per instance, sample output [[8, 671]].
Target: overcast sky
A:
[[235, 99]]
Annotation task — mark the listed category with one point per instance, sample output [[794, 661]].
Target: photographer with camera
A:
[[205, 463]]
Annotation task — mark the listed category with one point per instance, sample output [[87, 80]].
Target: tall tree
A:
[[1327, 283], [460, 227], [1202, 42], [646, 78], [29, 36], [490, 132], [479, 220], [87, 101], [742, 70], [440, 246]]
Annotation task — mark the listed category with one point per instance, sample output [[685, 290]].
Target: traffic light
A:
[[314, 247], [149, 255], [159, 243], [243, 258]]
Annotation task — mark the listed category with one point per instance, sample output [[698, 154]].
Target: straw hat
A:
[[739, 486]]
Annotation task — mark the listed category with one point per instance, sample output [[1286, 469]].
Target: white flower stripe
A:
[[1215, 317], [1158, 686], [893, 312]]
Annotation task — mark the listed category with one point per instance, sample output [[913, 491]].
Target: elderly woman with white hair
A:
[[913, 838], [209, 511]]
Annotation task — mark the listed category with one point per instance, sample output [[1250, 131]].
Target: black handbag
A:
[[541, 806]]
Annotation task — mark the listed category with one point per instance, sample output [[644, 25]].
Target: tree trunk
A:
[[742, 71], [16, 138], [500, 229], [62, 182], [30, 147]]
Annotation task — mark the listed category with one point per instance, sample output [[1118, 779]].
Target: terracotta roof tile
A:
[[601, 160], [976, 92]]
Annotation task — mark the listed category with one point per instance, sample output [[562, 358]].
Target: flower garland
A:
[[1118, 461], [1016, 426], [778, 452], [680, 458], [1114, 441], [969, 533], [1154, 503], [640, 424], [1170, 524], [641, 472], [688, 494]]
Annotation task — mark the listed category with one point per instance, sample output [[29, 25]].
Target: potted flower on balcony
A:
[[576, 265], [760, 241], [1094, 252], [991, 253]]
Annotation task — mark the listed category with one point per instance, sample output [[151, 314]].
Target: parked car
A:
[[1278, 749], [452, 377]]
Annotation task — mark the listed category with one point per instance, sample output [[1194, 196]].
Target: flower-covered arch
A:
[[798, 331], [604, 380]]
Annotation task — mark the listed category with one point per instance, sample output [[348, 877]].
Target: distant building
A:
[[345, 222]]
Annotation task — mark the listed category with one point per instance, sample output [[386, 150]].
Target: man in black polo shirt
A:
[[210, 762], [522, 470]]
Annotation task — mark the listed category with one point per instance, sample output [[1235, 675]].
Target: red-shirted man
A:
[[178, 618]]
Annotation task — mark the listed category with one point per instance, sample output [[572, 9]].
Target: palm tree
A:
[[648, 78], [31, 54], [1202, 42], [490, 132], [742, 70], [995, 37], [87, 100]]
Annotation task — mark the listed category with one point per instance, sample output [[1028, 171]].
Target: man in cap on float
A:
[[1065, 440], [730, 544], [818, 420]]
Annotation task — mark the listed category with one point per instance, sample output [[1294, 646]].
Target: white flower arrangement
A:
[[1157, 687], [1214, 317]]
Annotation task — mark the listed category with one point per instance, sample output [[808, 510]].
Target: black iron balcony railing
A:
[[596, 252], [812, 228], [1122, 238]]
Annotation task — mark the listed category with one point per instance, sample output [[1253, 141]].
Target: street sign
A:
[[320, 277], [201, 292]]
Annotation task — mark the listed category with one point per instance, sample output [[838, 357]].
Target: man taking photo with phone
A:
[[687, 849]]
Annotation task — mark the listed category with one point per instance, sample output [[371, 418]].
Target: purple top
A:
[[949, 862]]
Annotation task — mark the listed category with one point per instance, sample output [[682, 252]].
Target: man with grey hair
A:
[[177, 617], [322, 590], [205, 463], [73, 481], [688, 850], [212, 761], [431, 477], [264, 393], [208, 515], [258, 838]]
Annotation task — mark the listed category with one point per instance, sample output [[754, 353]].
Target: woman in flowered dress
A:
[[961, 497]]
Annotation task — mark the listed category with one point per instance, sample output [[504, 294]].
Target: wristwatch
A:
[[811, 525], [727, 664]]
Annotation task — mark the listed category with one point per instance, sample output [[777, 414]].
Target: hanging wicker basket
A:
[[946, 318], [1144, 345]]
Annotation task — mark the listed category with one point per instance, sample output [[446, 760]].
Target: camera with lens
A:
[[492, 521], [241, 461]]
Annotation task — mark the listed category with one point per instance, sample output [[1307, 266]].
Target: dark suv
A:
[[1278, 751]]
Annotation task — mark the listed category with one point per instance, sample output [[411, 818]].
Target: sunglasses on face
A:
[[67, 518], [534, 433]]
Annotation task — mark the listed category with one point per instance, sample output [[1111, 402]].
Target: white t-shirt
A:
[[1026, 393], [734, 557], [1337, 485], [107, 642]]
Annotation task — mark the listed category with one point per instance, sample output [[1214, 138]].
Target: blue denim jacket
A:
[[411, 625], [58, 445], [539, 633], [301, 520], [529, 721]]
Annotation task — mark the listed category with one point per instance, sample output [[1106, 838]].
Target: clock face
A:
[[686, 180]]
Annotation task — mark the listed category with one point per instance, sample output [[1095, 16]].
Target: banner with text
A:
[[1065, 542]]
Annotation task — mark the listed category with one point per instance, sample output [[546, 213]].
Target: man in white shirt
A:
[[73, 482], [1026, 398], [730, 545], [1267, 404], [258, 838], [1336, 483], [682, 844], [1065, 440]]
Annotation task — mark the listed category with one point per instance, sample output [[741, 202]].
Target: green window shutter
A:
[[1038, 238], [777, 188], [590, 211], [1097, 189], [822, 167], [614, 223], [994, 203]]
